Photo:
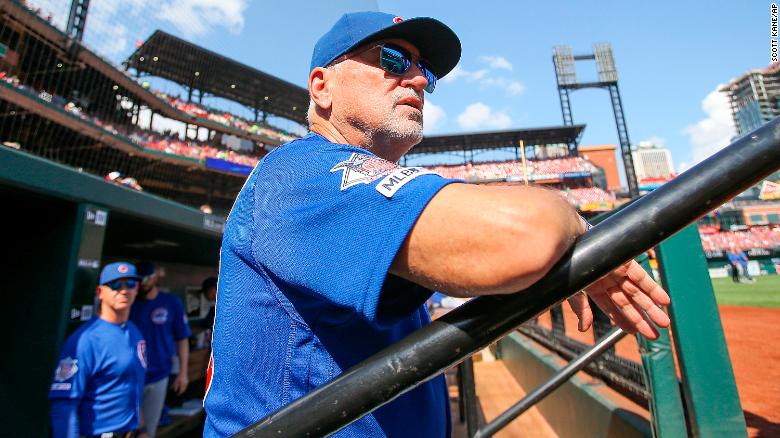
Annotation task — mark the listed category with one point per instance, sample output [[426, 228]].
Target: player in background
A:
[[161, 319], [99, 380]]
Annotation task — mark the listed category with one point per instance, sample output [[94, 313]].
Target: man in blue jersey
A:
[[99, 380], [332, 248], [161, 318]]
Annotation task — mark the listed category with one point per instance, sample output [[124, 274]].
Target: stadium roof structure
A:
[[499, 139], [175, 59]]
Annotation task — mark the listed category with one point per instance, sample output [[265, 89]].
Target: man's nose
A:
[[415, 78]]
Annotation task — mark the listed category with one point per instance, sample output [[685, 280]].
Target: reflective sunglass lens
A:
[[431, 78], [393, 61], [117, 284], [397, 62]]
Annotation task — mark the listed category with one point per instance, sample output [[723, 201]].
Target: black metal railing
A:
[[457, 335], [538, 394], [621, 374]]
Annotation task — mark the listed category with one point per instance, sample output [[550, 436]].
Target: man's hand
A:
[[629, 296], [180, 384]]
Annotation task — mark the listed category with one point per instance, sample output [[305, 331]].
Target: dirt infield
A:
[[754, 348]]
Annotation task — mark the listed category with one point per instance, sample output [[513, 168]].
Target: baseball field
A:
[[750, 315], [765, 292]]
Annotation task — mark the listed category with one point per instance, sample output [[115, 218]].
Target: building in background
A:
[[754, 97], [604, 157], [653, 165]]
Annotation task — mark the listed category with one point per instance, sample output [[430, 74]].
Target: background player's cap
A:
[[117, 270], [145, 268], [437, 43]]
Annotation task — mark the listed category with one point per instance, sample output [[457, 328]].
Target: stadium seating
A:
[[144, 138], [755, 237], [224, 118], [537, 169], [587, 195]]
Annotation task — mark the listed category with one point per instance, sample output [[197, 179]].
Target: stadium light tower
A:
[[77, 19], [566, 75]]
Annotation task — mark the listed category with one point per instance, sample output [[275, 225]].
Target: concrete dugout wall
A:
[[575, 410]]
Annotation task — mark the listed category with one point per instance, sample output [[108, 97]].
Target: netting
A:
[[86, 104]]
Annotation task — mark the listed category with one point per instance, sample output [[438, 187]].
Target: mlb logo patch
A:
[[66, 369]]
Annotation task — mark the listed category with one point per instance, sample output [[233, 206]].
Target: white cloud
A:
[[479, 116], [112, 25], [484, 79], [713, 133], [196, 18], [433, 116], [459, 72], [498, 62], [512, 87]]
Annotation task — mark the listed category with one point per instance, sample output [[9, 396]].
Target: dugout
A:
[[60, 225]]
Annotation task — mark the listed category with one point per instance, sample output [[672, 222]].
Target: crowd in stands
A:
[[537, 169], [170, 144], [767, 237], [588, 195], [224, 118]]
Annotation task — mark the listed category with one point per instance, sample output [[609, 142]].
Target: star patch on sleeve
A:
[[362, 169]]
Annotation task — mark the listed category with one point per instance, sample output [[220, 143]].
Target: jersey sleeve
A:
[[328, 224], [74, 368], [181, 327]]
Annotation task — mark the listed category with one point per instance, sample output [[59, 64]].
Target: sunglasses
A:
[[396, 60], [127, 283]]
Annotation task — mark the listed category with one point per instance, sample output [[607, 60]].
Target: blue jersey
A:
[[99, 380], [304, 291], [162, 322]]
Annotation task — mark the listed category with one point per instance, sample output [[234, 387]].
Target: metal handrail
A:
[[430, 350], [550, 385]]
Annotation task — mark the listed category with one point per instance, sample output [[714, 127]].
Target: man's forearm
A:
[[474, 240], [183, 349]]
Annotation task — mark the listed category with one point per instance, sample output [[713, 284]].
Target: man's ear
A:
[[319, 87]]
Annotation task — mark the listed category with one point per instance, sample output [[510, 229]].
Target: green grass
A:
[[765, 292]]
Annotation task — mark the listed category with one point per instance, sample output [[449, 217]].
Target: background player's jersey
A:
[[162, 323], [100, 373], [304, 291]]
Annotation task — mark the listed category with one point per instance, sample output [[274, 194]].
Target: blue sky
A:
[[670, 56]]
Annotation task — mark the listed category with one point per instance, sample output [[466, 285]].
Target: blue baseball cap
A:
[[437, 43], [117, 270]]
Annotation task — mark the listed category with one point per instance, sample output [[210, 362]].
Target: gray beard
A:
[[407, 132]]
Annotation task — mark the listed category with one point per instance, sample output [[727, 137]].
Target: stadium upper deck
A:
[[61, 100]]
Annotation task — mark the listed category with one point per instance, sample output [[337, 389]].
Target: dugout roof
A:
[[499, 139], [191, 65]]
